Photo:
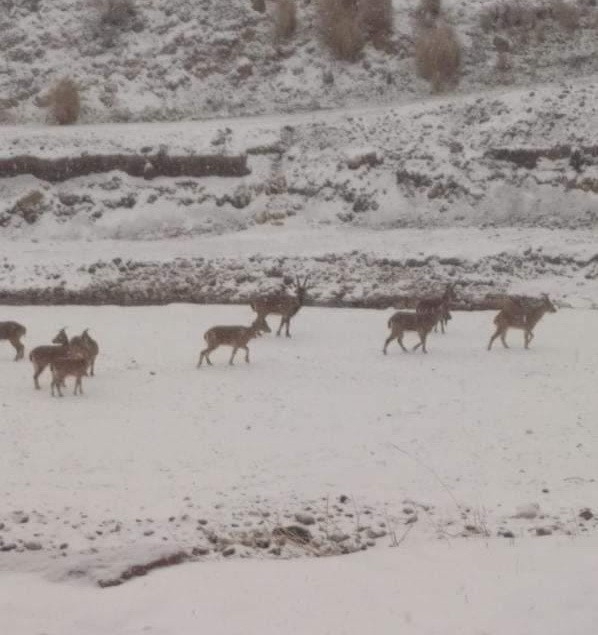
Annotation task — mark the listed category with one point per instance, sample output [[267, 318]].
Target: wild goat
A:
[[517, 314], [439, 305], [41, 356], [88, 344], [13, 332], [403, 321], [284, 305], [75, 363], [235, 336]]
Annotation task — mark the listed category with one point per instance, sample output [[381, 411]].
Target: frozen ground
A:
[[158, 458], [533, 587]]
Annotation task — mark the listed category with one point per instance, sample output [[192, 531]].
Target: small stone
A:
[[527, 511], [305, 519], [229, 551], [343, 499], [506, 534], [340, 537], [586, 514], [32, 545], [200, 551], [373, 534], [543, 531]]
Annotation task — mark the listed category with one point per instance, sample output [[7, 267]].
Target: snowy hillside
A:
[[186, 59]]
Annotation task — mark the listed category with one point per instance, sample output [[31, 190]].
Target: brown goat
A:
[[13, 332], [439, 305], [286, 306], [403, 321], [74, 364], [519, 315], [89, 345], [41, 356], [235, 336]]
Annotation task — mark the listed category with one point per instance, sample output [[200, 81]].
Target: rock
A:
[[200, 551], [33, 545], [305, 519], [505, 533], [527, 511], [586, 514], [339, 537], [229, 551], [412, 519], [543, 531], [373, 534]]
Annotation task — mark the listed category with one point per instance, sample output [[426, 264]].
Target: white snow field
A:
[[480, 465]]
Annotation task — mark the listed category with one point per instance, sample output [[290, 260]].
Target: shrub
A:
[[64, 102], [285, 18], [340, 28], [376, 19], [438, 56]]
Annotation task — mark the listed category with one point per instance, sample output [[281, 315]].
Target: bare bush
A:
[[64, 102], [376, 19], [285, 19], [340, 28], [566, 14], [438, 56]]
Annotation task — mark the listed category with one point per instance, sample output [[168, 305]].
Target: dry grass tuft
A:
[[376, 19], [340, 27], [438, 56], [64, 102], [285, 19]]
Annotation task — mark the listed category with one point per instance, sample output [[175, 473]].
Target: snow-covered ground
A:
[[465, 457], [539, 587]]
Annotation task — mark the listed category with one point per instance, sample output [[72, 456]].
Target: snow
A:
[[536, 587], [441, 451], [453, 492]]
